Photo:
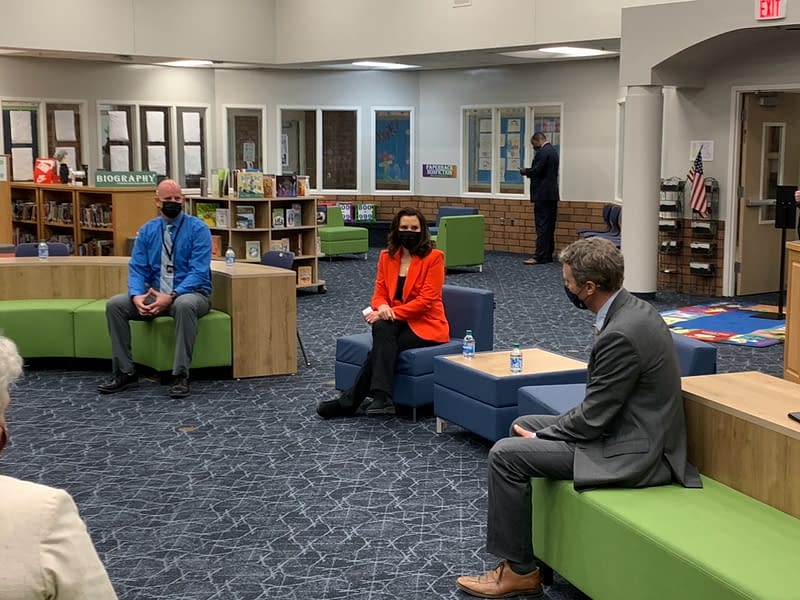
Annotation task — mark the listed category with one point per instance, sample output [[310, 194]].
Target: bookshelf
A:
[[91, 221], [287, 223]]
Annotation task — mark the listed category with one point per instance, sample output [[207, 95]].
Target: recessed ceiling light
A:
[[573, 51], [382, 65], [187, 63]]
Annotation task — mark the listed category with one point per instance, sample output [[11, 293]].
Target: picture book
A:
[[286, 186], [216, 246], [278, 217], [245, 217], [207, 212], [223, 217], [269, 186], [252, 251], [366, 212], [304, 275], [276, 245], [294, 216], [250, 185]]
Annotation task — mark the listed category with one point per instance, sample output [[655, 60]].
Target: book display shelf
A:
[[253, 226], [91, 221]]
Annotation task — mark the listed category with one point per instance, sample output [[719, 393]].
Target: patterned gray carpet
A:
[[242, 492]]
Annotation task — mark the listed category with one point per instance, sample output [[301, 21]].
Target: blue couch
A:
[[466, 308], [695, 358]]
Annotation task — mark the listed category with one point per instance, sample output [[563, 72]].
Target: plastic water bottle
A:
[[230, 257], [43, 250], [516, 359], [468, 345]]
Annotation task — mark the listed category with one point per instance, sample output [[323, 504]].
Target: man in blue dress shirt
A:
[[168, 274]]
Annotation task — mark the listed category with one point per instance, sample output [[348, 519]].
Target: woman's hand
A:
[[384, 312]]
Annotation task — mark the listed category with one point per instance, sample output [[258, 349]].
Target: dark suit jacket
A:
[[544, 175], [421, 306], [630, 429]]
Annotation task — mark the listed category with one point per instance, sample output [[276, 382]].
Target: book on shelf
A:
[[250, 184], [252, 251], [96, 215], [269, 184], [278, 217], [222, 215], [276, 245], [304, 275], [207, 212], [284, 245], [286, 186], [216, 246], [294, 215], [366, 213], [297, 239], [245, 217]]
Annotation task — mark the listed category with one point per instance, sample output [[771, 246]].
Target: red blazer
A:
[[421, 306]]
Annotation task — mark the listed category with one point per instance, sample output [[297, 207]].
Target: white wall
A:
[[588, 91]]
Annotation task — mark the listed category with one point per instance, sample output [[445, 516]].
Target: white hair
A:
[[10, 363]]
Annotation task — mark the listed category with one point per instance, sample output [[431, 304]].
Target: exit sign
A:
[[766, 10]]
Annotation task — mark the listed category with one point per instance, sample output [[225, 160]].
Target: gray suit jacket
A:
[[630, 429]]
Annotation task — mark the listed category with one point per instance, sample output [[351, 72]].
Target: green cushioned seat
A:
[[40, 327], [667, 542], [91, 331], [336, 238], [153, 342]]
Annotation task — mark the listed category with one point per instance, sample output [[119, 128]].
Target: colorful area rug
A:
[[727, 323]]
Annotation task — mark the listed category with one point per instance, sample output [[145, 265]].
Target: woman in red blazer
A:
[[407, 312]]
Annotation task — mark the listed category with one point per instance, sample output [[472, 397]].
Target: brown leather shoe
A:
[[502, 582]]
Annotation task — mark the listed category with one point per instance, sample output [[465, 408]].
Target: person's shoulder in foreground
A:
[[47, 550]]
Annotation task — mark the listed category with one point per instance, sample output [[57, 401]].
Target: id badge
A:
[[170, 270]]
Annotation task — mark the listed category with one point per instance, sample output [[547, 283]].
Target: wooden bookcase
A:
[[93, 221], [265, 228]]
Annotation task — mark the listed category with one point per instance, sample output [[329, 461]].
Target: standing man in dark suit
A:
[[629, 431], [544, 196]]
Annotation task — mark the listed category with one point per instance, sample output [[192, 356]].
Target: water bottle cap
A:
[[469, 331]]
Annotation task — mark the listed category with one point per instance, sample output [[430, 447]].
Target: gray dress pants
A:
[[512, 463], [186, 310]]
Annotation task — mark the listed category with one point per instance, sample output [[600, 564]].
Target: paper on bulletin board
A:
[[155, 125], [192, 164], [191, 127], [21, 128], [485, 126], [249, 153], [70, 152], [513, 125], [119, 158], [512, 164], [118, 127], [22, 164], [65, 125], [157, 159], [485, 145]]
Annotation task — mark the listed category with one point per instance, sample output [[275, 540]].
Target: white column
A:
[[640, 187]]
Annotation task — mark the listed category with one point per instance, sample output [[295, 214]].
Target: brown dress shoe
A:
[[502, 582]]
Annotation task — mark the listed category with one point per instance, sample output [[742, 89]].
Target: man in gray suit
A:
[[629, 431]]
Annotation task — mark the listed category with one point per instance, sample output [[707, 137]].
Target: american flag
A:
[[699, 200]]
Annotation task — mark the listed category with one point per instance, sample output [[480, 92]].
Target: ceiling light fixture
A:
[[382, 65], [187, 63], [574, 51]]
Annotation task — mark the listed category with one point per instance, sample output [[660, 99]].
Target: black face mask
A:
[[171, 209], [574, 298], [409, 239]]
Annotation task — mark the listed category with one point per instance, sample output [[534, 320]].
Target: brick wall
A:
[[510, 228]]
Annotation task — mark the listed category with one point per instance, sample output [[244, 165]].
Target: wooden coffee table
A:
[[480, 394]]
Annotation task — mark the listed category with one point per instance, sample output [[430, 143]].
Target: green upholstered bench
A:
[[667, 542], [40, 327], [153, 343], [77, 328]]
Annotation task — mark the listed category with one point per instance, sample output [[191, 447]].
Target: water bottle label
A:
[[516, 364]]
